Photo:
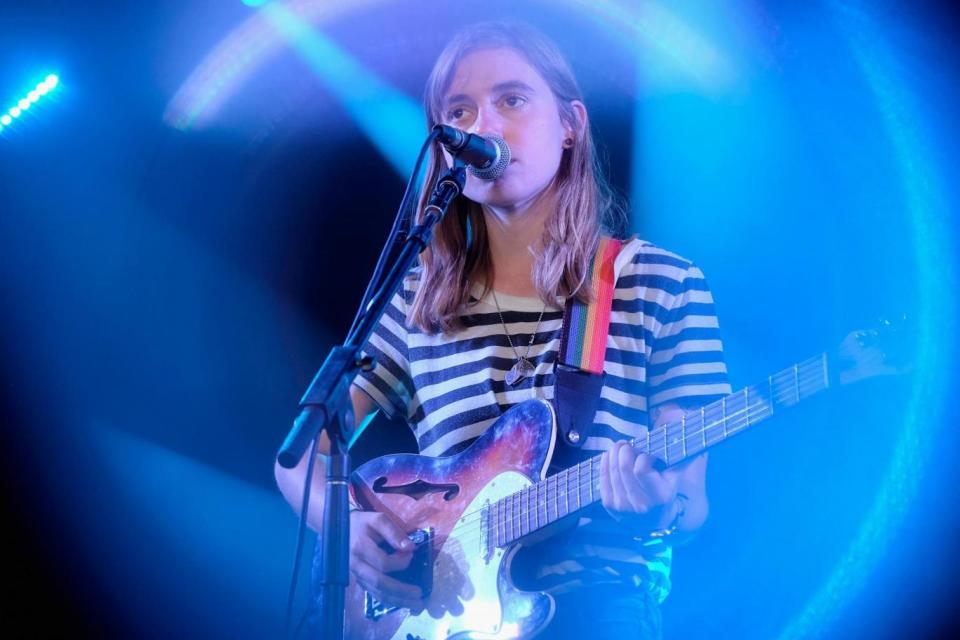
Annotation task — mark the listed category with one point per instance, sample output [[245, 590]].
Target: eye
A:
[[514, 100], [457, 114]]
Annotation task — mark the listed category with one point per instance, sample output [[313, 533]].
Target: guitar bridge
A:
[[419, 572]]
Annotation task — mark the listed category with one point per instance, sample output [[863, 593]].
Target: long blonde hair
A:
[[459, 254]]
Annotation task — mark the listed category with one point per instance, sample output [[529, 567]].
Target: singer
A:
[[477, 329]]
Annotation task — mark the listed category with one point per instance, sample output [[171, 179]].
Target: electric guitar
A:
[[467, 513]]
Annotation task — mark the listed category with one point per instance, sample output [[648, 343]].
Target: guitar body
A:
[[468, 578]]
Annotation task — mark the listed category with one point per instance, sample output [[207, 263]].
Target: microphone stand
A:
[[326, 406]]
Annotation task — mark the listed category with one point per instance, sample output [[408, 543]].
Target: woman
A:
[[454, 347]]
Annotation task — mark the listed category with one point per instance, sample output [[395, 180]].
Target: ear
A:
[[575, 129]]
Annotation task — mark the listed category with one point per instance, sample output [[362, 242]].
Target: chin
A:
[[496, 193]]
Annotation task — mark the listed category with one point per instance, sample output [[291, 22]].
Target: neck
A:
[[514, 233]]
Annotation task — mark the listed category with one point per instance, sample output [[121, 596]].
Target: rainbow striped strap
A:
[[583, 341]]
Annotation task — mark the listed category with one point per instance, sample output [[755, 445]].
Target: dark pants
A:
[[605, 611]]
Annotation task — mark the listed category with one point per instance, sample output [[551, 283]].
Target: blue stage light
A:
[[32, 97]]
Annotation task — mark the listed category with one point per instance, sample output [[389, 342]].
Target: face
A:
[[496, 91]]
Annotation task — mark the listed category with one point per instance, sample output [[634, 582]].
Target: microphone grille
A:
[[496, 169]]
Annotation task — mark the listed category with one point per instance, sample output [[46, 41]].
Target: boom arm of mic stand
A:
[[327, 397]]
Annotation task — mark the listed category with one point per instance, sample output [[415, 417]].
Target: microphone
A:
[[487, 157]]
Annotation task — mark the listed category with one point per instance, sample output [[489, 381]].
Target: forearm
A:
[[291, 483], [690, 516]]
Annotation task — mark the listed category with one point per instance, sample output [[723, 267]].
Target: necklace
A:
[[522, 368]]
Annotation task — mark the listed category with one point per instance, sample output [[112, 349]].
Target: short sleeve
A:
[[389, 382], [686, 364]]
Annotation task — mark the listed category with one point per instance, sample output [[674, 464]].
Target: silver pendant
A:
[[519, 371]]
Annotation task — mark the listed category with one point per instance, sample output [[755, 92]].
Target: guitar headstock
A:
[[879, 351]]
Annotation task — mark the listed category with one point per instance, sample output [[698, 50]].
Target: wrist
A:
[[678, 510]]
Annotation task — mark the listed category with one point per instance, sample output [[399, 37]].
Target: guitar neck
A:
[[577, 487]]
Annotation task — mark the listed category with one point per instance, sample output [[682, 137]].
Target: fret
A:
[[536, 508], [796, 381], [746, 404], [770, 391], [666, 441], [504, 521], [518, 514], [536, 515], [683, 435], [526, 510], [648, 441], [515, 515], [531, 507], [703, 426], [501, 523], [561, 487], [578, 487], [543, 502], [566, 491], [556, 499], [531, 511], [507, 533], [826, 371], [723, 405], [521, 499], [590, 484], [507, 520]]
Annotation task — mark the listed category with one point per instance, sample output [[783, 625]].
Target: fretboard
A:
[[577, 487]]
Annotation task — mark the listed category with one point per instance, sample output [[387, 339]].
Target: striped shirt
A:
[[663, 348]]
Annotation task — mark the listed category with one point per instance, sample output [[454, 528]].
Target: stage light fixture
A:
[[32, 96]]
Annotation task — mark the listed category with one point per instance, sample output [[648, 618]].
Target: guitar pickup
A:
[[419, 572]]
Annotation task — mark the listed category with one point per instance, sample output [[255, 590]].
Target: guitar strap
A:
[[578, 372]]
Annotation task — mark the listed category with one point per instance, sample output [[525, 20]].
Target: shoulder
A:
[[644, 263]]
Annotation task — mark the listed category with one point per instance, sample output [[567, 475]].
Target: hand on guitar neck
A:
[[643, 498]]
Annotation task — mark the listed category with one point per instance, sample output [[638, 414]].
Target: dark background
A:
[[168, 293]]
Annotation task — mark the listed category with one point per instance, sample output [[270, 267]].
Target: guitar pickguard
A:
[[472, 595]]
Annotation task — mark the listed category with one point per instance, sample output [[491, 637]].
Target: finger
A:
[[645, 479], [385, 588], [659, 488], [622, 462], [643, 465], [390, 533], [371, 553], [606, 491], [635, 498]]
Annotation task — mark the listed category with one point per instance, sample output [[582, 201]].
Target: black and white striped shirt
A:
[[663, 347]]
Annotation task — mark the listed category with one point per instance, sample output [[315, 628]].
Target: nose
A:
[[488, 121]]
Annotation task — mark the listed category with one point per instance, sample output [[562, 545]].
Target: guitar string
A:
[[514, 519], [516, 512], [657, 443], [513, 503]]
